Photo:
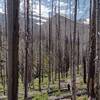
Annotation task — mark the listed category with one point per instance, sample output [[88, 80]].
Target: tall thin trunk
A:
[[78, 53], [26, 72], [84, 68], [97, 49], [66, 56], [91, 73], [56, 62], [1, 67], [27, 33], [52, 43], [6, 71], [32, 38], [59, 44], [13, 43], [49, 74], [40, 45], [70, 44], [74, 55], [6, 41]]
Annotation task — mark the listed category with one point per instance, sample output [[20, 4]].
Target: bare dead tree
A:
[[78, 52], [56, 47], [91, 73], [40, 45], [59, 44], [27, 38], [52, 44], [32, 37], [13, 42], [6, 71], [49, 74], [84, 68], [74, 55], [97, 62]]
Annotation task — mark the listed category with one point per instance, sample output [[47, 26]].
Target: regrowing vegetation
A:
[[49, 58]]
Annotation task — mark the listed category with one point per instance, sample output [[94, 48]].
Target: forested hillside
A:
[[49, 50]]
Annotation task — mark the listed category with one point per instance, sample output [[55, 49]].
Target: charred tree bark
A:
[[6, 70], [66, 56], [97, 61], [27, 77], [56, 47], [59, 45], [13, 42], [91, 73], [40, 45], [84, 69], [78, 53], [49, 74], [32, 39], [74, 55]]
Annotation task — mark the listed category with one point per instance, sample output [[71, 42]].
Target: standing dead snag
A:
[[56, 47], [74, 55], [13, 43], [91, 73], [97, 60], [40, 45], [49, 74], [78, 53], [6, 70], [27, 50], [52, 44], [32, 39], [66, 56], [1, 76], [84, 69], [59, 44]]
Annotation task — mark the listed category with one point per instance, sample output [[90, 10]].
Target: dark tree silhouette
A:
[[13, 42], [40, 45], [91, 73], [74, 55]]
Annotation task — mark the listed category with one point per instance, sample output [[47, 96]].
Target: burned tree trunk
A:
[[84, 69], [78, 53], [40, 45], [27, 38], [49, 74], [74, 55], [91, 73], [13, 42], [59, 45], [66, 56], [97, 61]]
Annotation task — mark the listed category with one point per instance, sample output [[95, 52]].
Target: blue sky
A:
[[83, 7]]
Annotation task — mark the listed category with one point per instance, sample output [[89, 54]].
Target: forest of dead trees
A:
[[55, 60]]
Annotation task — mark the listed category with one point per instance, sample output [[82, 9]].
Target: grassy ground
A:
[[44, 95]]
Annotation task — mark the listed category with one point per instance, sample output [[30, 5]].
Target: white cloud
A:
[[44, 10], [39, 23], [37, 18], [1, 11], [86, 21]]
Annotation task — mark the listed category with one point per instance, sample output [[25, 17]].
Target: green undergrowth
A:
[[34, 88]]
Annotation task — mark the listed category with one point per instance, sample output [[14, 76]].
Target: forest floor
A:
[[54, 93]]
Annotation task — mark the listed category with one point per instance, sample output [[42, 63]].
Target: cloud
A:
[[46, 7], [44, 10], [86, 21], [1, 11]]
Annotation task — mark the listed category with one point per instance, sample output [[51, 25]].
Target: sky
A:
[[83, 7], [46, 6]]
